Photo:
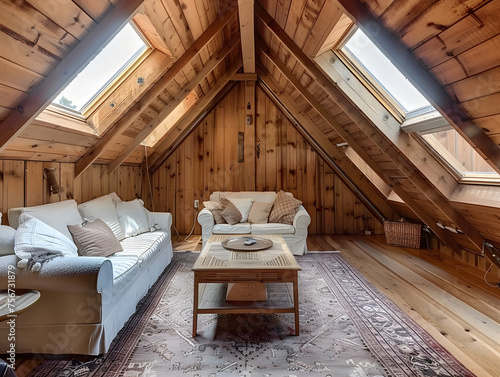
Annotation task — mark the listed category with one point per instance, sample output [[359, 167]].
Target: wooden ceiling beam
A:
[[424, 81], [131, 115], [335, 158], [246, 16], [387, 147], [172, 104], [244, 77], [316, 105], [179, 131], [328, 18], [41, 96]]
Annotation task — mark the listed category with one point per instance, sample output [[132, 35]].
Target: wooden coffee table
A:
[[217, 267]]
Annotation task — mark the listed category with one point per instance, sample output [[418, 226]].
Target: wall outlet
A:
[[196, 204]]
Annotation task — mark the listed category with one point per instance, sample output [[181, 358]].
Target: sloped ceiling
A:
[[447, 49]]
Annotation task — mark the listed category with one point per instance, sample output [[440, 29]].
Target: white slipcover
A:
[[295, 235], [84, 301]]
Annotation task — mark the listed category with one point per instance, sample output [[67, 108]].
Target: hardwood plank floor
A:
[[446, 298], [454, 305]]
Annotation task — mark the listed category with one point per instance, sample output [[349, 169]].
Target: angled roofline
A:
[[40, 97]]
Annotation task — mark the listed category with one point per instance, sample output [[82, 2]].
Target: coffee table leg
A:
[[195, 304], [296, 301]]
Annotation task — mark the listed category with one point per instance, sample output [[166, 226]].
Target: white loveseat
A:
[[85, 300], [295, 235]]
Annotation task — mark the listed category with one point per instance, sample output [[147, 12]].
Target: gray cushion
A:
[[231, 214], [95, 239]]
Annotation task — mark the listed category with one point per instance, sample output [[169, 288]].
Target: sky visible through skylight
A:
[[102, 69], [375, 62]]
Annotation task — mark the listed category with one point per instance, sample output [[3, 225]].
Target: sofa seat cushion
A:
[[272, 228], [125, 268], [144, 246], [240, 228]]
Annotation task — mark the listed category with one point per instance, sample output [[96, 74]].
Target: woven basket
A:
[[404, 234]]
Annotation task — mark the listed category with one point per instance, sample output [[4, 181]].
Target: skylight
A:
[[108, 64], [459, 154], [367, 55]]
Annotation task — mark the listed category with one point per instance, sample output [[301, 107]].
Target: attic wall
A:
[[22, 183], [276, 157]]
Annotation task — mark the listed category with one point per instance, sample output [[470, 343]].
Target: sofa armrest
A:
[[163, 219], [207, 222], [301, 220], [206, 219], [70, 274]]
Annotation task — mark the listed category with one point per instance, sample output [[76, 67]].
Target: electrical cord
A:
[[190, 233], [490, 284]]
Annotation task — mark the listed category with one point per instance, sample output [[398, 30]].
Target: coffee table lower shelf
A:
[[212, 300]]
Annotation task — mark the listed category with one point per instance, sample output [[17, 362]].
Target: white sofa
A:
[[85, 300], [295, 235]]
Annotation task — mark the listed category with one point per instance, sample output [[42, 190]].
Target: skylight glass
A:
[[367, 54], [113, 59], [458, 153]]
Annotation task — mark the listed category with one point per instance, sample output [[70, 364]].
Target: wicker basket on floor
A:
[[402, 233]]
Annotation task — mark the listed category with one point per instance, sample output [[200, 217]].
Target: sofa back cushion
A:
[[102, 208], [261, 196], [133, 217], [57, 215]]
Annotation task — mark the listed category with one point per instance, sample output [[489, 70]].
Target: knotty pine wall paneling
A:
[[207, 161], [23, 183]]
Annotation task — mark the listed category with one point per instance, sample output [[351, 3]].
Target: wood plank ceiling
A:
[[449, 49]]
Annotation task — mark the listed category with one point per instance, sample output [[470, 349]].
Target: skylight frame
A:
[[452, 163], [417, 122], [369, 80], [113, 82]]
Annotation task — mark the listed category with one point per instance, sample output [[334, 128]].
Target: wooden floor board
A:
[[435, 304]]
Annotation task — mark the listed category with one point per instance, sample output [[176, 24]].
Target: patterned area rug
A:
[[347, 328]]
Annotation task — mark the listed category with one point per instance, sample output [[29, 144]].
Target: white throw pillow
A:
[[244, 205], [37, 242], [7, 240], [57, 215], [133, 217], [104, 209]]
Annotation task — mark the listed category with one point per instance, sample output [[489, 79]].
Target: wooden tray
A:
[[238, 244]]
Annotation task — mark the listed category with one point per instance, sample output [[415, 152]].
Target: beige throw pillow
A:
[[95, 239], [284, 209], [216, 209], [259, 213], [230, 213]]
